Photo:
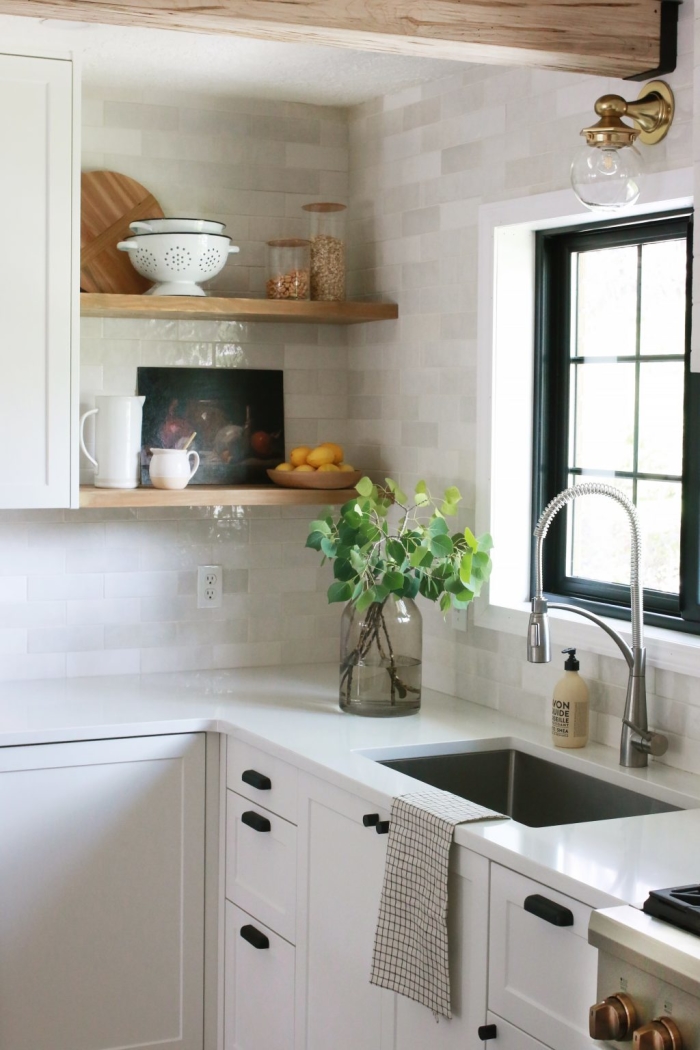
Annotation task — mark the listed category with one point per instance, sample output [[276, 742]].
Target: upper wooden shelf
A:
[[204, 308], [212, 496]]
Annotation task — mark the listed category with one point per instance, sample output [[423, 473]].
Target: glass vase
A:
[[381, 658]]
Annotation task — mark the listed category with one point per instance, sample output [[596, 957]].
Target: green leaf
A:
[[485, 542], [399, 495], [419, 555], [421, 488], [453, 495], [471, 539], [339, 592], [445, 602], [365, 599], [448, 509], [381, 591], [454, 585], [395, 551], [438, 527], [464, 597], [421, 499], [410, 587], [441, 546], [357, 561], [343, 570], [313, 540], [429, 588], [320, 526], [364, 487], [465, 568], [394, 581], [329, 548]]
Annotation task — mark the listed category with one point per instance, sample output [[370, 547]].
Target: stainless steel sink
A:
[[531, 790]]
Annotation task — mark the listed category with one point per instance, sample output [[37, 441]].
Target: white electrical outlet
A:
[[459, 619], [210, 579]]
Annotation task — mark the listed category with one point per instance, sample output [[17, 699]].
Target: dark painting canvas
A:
[[238, 415]]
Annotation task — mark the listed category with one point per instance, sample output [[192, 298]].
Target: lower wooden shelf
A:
[[212, 496]]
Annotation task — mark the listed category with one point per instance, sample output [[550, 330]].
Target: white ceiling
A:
[[137, 58]]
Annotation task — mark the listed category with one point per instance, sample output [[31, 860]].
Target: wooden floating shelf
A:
[[212, 496], [205, 308]]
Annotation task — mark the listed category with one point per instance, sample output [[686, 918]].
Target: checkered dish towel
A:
[[410, 946]]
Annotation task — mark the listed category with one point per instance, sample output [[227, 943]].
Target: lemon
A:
[[298, 455], [337, 450], [328, 466], [347, 468], [319, 456], [284, 466], [304, 468]]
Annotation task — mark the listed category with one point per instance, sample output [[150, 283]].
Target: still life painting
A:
[[236, 414]]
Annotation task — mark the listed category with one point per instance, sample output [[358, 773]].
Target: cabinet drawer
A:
[[508, 1037], [258, 986], [542, 976], [261, 854], [262, 778]]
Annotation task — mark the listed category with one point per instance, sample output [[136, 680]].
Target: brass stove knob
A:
[[660, 1034], [614, 1019]]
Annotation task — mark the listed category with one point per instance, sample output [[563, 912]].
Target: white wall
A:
[[422, 162]]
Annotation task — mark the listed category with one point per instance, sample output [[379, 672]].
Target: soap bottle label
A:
[[561, 714]]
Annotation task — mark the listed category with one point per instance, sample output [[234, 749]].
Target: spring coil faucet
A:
[[636, 742]]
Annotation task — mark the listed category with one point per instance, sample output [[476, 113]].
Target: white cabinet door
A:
[[102, 891], [415, 1026], [341, 867], [36, 278], [508, 1037], [542, 976]]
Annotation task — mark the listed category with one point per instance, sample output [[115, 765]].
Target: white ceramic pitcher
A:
[[117, 440]]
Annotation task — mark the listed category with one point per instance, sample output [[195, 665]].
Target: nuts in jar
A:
[[288, 269], [327, 250]]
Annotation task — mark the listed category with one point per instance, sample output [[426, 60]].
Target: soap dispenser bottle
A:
[[570, 706]]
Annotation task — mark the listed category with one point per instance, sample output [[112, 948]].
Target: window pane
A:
[[661, 417], [663, 298], [606, 313], [599, 539], [659, 504], [603, 425]]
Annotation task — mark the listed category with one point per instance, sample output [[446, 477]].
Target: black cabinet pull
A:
[[255, 937], [382, 827], [256, 780], [370, 820], [255, 821], [548, 910], [487, 1031]]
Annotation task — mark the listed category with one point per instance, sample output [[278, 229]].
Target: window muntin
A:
[[611, 383]]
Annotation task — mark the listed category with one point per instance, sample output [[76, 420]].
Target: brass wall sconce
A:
[[606, 173]]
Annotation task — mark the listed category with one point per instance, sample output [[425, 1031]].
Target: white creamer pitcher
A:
[[117, 440]]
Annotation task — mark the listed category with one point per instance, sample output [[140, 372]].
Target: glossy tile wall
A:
[[422, 161], [113, 592]]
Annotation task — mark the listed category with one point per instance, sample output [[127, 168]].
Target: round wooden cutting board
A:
[[109, 202]]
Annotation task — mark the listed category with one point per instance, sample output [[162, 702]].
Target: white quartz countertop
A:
[[294, 714]]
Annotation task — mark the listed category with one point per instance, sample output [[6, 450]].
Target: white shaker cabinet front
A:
[[37, 279], [102, 891]]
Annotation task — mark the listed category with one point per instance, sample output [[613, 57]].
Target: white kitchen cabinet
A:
[[341, 868], [38, 278], [508, 1037], [102, 890], [259, 997], [542, 977]]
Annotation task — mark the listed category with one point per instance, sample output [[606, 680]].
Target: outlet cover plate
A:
[[210, 579]]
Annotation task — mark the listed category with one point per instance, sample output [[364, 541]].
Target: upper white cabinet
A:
[[102, 890], [37, 276]]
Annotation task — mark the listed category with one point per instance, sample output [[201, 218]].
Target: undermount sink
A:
[[531, 790]]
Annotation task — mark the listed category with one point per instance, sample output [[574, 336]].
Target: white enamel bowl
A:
[[177, 226], [177, 262]]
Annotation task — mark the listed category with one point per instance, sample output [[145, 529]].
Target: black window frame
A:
[[553, 251]]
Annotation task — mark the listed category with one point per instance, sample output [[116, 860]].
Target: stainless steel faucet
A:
[[636, 741]]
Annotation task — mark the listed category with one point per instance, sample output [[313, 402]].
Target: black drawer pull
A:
[[256, 780], [255, 937], [255, 821], [370, 820], [382, 827], [548, 910], [487, 1031]]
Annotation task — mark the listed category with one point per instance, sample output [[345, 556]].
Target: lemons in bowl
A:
[[325, 462]]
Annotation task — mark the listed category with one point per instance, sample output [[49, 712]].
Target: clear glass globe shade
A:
[[607, 179]]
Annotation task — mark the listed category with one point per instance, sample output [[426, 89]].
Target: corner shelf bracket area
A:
[[211, 308]]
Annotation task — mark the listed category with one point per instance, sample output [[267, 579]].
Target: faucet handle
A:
[[650, 743]]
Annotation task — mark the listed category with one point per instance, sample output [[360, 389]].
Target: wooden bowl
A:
[[323, 479]]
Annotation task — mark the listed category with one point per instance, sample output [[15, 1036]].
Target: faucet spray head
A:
[[538, 648]]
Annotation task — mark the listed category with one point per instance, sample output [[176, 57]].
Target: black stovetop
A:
[[679, 905]]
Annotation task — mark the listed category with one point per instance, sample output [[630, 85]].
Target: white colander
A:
[[177, 262]]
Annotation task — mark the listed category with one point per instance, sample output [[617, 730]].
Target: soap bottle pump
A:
[[570, 706]]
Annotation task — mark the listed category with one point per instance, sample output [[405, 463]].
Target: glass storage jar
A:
[[327, 251], [288, 268], [381, 658]]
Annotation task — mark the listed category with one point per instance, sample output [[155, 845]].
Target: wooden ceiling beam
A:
[[620, 38]]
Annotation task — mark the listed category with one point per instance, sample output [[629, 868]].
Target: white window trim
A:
[[505, 340]]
